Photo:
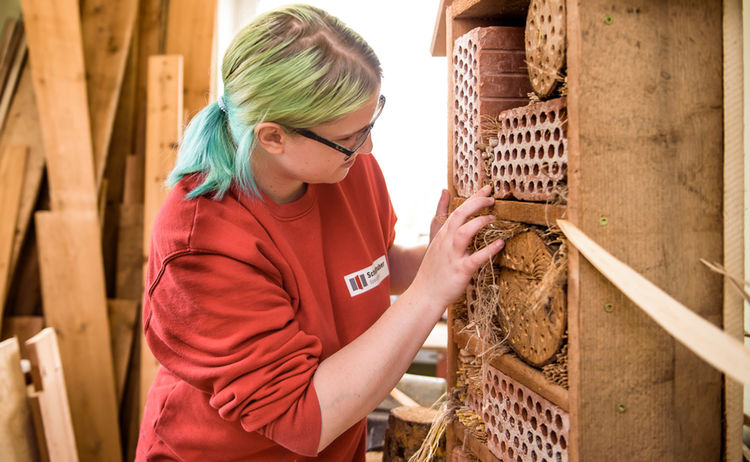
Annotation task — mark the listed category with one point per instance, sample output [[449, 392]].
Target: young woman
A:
[[272, 260]]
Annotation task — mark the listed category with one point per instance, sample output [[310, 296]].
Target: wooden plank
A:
[[10, 78], [17, 440], [510, 365], [75, 304], [534, 213], [52, 397], [107, 28], [12, 166], [734, 214], [163, 132], [505, 13], [437, 46], [130, 256], [122, 314], [23, 328], [11, 40], [645, 154], [53, 33], [190, 33], [22, 128]]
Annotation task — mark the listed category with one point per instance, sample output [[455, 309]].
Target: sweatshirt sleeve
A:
[[228, 328]]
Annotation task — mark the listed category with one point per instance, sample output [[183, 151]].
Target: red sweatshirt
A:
[[243, 300]]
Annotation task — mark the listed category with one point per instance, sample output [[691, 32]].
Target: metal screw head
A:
[[608, 308], [608, 19], [621, 408], [603, 220]]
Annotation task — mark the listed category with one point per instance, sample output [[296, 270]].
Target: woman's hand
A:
[[447, 266]]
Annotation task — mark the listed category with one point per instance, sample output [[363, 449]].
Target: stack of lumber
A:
[[93, 99]]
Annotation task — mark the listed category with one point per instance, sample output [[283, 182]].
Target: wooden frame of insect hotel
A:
[[612, 116]]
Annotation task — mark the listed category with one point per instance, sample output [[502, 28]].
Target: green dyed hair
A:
[[297, 66]]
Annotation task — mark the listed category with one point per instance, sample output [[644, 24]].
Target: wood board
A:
[[50, 396], [190, 33], [107, 28], [12, 167], [53, 33], [75, 304], [163, 132], [662, 210], [17, 440]]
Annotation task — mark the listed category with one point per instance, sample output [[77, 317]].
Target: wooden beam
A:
[[53, 32], [75, 304], [17, 440], [12, 167], [190, 33], [52, 397], [163, 132], [107, 29]]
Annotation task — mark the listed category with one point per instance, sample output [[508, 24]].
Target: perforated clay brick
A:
[[521, 425], [531, 157], [489, 76]]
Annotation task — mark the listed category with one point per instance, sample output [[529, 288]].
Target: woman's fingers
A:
[[480, 256], [471, 206], [441, 214], [465, 233]]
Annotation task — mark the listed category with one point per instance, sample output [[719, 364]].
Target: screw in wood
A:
[[608, 19], [608, 308], [621, 408], [603, 221]]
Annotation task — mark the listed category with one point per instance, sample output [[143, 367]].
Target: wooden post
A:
[[51, 397], [75, 304], [163, 131], [17, 440]]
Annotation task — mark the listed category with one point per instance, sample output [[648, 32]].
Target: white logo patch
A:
[[368, 278]]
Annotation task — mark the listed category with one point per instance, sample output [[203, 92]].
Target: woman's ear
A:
[[271, 137]]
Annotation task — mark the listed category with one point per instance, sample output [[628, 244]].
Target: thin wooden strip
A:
[[17, 440], [734, 212], [22, 128], [12, 33], [122, 315], [75, 304], [402, 398], [53, 33], [520, 371], [107, 29], [163, 131], [190, 33], [52, 396], [12, 79], [12, 166], [523, 212], [722, 351]]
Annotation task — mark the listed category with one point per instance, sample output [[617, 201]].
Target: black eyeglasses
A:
[[361, 136]]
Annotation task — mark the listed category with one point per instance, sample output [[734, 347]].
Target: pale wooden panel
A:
[[53, 32], [734, 214], [122, 315], [12, 166], [163, 132], [22, 128], [75, 304], [190, 33], [51, 397], [17, 440], [645, 99], [107, 28]]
